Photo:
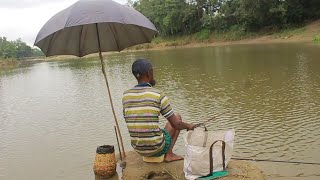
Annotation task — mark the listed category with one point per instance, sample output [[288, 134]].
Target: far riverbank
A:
[[307, 34], [8, 63]]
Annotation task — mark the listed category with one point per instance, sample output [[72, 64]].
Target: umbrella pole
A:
[[109, 92], [111, 102]]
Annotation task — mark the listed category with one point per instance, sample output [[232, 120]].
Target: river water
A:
[[53, 115]]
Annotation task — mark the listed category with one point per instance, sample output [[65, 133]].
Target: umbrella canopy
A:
[[78, 29]]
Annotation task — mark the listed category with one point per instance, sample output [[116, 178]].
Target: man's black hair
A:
[[141, 67]]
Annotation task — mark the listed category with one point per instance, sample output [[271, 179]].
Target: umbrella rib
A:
[[144, 35], [98, 38], [81, 41], [115, 36]]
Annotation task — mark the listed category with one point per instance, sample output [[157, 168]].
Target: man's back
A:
[[142, 106]]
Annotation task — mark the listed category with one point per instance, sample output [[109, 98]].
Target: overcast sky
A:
[[24, 18]]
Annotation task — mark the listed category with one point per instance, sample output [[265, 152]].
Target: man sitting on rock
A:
[[142, 106]]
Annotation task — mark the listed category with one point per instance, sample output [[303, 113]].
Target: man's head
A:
[[143, 71]]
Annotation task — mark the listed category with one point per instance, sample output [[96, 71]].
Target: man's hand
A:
[[191, 127]]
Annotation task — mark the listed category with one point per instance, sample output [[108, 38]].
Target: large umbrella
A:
[[95, 26]]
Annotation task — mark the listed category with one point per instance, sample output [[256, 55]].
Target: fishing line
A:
[[214, 117], [276, 161], [257, 160]]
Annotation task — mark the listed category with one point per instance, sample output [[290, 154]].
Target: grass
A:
[[8, 63], [7, 59], [203, 35], [232, 35], [289, 32], [316, 39]]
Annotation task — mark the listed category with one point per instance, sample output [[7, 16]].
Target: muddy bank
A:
[[8, 64], [137, 169]]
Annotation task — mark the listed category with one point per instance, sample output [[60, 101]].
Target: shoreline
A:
[[308, 34], [221, 43], [259, 40], [4, 64]]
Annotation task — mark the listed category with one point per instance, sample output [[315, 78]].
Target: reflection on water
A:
[[53, 115]]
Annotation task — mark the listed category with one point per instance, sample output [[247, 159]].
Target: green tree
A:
[[37, 52], [22, 49], [175, 17], [7, 48], [16, 49]]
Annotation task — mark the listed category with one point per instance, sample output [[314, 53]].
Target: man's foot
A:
[[172, 157]]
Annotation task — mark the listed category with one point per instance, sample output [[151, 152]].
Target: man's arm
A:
[[177, 123], [174, 119]]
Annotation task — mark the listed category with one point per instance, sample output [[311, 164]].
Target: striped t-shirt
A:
[[142, 106]]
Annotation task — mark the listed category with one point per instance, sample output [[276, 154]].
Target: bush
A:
[[316, 39], [203, 35], [234, 33], [158, 40], [289, 32]]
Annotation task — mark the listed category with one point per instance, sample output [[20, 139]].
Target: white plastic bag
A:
[[198, 143]]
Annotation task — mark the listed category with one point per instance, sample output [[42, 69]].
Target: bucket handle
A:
[[205, 133], [223, 155]]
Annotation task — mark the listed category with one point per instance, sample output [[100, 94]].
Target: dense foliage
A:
[[177, 17], [16, 49]]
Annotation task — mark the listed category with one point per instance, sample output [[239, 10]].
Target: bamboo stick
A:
[[115, 130], [109, 92]]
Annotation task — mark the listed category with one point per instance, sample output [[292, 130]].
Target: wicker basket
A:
[[105, 162]]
